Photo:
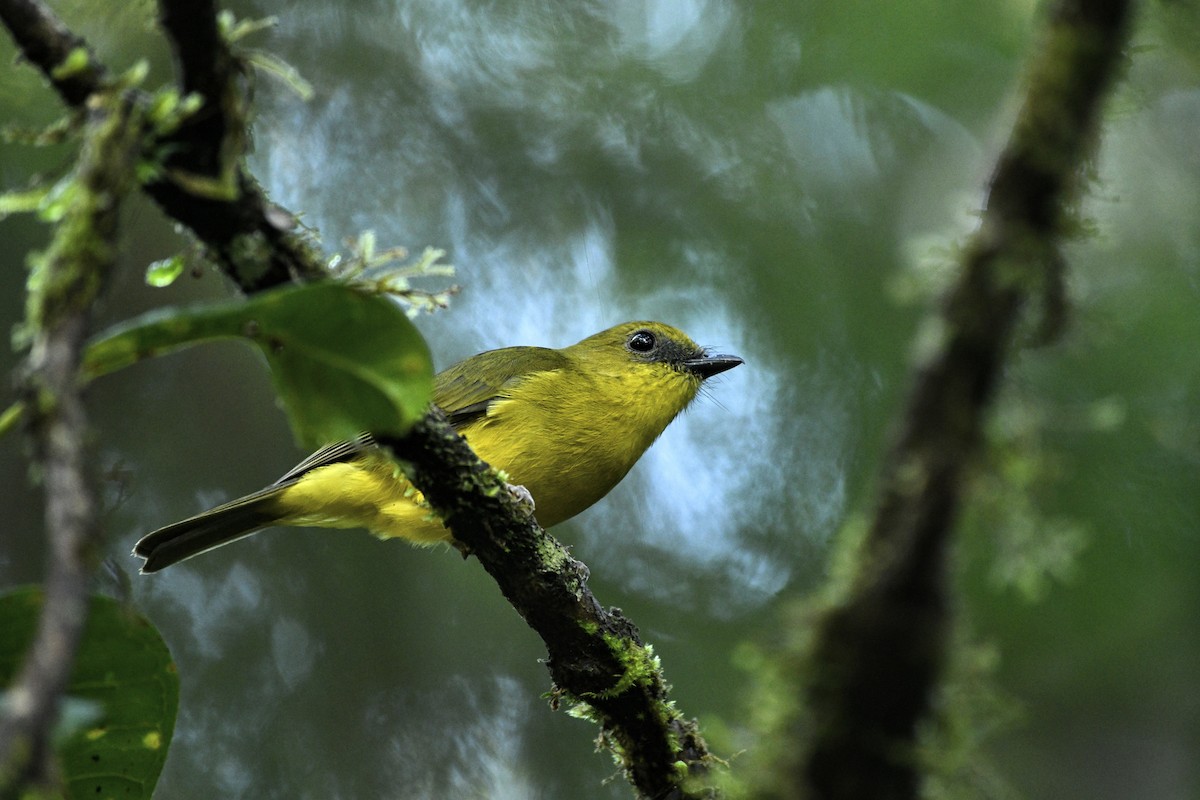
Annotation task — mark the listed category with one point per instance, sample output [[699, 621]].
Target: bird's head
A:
[[650, 362]]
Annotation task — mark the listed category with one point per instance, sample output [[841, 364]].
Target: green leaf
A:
[[75, 63], [164, 272], [123, 696], [343, 361], [11, 416]]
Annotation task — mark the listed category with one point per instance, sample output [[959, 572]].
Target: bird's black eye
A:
[[642, 342]]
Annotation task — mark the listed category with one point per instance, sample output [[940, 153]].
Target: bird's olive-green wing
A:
[[465, 390]]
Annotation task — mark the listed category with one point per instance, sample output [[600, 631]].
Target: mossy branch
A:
[[878, 651], [64, 284], [596, 655], [255, 242]]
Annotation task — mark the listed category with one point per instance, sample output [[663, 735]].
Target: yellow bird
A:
[[566, 424]]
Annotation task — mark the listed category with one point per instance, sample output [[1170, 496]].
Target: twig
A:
[[47, 43], [256, 243], [206, 187], [878, 654]]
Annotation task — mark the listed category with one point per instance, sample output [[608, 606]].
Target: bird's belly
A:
[[366, 493], [564, 477]]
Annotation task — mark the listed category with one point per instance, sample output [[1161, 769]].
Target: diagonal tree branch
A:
[[879, 652], [596, 655]]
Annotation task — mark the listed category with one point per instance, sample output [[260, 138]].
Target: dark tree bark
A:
[[878, 653]]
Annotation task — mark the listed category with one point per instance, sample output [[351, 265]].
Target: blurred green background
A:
[[784, 181]]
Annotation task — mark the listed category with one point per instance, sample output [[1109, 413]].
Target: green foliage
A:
[[972, 711], [342, 361], [234, 29], [54, 203], [48, 135], [83, 205], [168, 108], [164, 271], [121, 700], [285, 73], [1032, 549], [10, 417], [388, 272]]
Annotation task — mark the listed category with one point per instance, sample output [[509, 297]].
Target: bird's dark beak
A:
[[708, 366]]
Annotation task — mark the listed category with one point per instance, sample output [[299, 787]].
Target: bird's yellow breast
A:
[[570, 437]]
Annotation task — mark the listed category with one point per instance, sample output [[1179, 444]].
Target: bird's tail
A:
[[203, 532]]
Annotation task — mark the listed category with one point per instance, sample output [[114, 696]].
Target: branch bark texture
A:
[[596, 654], [206, 185], [878, 654], [67, 280]]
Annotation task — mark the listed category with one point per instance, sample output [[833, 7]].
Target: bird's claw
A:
[[523, 497]]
